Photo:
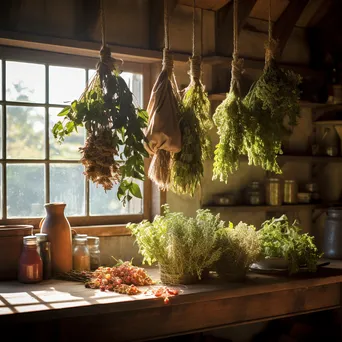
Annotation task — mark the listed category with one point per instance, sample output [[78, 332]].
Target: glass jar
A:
[[93, 243], [290, 191], [273, 192], [255, 194], [30, 262], [81, 255], [44, 249]]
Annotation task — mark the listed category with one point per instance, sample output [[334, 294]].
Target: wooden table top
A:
[[56, 299]]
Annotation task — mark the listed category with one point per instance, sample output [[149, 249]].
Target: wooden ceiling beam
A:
[[284, 26], [212, 5], [224, 25]]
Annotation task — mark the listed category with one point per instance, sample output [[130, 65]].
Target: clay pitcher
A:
[[57, 226]]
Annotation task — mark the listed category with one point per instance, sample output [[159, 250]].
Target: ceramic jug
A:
[[57, 227]]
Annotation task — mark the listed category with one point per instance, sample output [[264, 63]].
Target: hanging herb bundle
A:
[[111, 120], [196, 97], [274, 110], [229, 119], [187, 167], [163, 133]]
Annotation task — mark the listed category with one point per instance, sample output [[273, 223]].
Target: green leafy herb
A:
[[282, 239], [113, 124], [180, 244], [187, 165]]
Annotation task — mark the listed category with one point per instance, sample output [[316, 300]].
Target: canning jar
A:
[[30, 262], [81, 255], [93, 243], [255, 194], [273, 191], [44, 249], [290, 191]]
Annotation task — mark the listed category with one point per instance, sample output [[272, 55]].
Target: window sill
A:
[[100, 230]]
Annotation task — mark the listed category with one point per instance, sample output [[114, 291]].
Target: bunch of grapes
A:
[[122, 279]]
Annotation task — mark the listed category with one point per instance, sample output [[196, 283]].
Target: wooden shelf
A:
[[270, 208]]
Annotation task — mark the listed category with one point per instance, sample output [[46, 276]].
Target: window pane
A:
[[25, 190], [102, 203], [65, 84], [25, 82], [69, 148], [25, 132], [67, 185], [1, 131], [1, 215], [134, 83]]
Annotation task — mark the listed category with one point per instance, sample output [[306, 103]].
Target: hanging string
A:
[[103, 24], [237, 63], [195, 60], [201, 37], [271, 45], [167, 57]]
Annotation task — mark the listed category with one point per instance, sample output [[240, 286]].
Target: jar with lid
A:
[[93, 243], [255, 194], [290, 191], [44, 248], [273, 191], [30, 262], [81, 255]]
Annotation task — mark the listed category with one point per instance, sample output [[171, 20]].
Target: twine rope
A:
[[237, 63], [195, 60], [271, 45], [167, 56]]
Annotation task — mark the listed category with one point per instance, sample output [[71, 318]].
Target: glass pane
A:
[[65, 84], [67, 185], [69, 148], [25, 132], [25, 82], [1, 131], [25, 190], [102, 203], [134, 83], [1, 214]]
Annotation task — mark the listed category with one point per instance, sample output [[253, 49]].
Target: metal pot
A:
[[332, 246]]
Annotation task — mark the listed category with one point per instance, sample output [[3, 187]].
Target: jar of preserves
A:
[[93, 243], [81, 255], [44, 248], [273, 191], [30, 262], [290, 191]]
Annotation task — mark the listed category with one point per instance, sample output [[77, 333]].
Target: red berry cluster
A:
[[122, 279]]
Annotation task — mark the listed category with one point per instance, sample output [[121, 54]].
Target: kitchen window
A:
[[34, 168]]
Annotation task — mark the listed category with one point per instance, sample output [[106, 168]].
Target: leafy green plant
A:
[[241, 247], [114, 151], [181, 245], [282, 239]]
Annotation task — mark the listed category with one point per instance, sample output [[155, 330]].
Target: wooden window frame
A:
[[93, 225]]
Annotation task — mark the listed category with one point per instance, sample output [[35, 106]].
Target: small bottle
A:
[[30, 262], [44, 248], [93, 243], [81, 255]]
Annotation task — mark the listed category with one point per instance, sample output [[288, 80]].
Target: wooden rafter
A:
[[212, 5], [224, 25], [283, 27]]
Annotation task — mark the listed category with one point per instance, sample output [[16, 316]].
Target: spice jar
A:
[[81, 255], [44, 249], [274, 193], [93, 243], [255, 194], [30, 262]]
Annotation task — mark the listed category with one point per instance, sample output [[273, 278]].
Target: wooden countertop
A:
[[251, 300]]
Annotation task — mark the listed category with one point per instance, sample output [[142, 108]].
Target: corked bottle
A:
[[57, 227]]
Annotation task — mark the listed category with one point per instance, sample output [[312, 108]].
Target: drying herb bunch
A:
[[241, 247], [229, 118], [113, 123], [187, 166], [273, 104], [282, 239], [196, 97], [181, 245]]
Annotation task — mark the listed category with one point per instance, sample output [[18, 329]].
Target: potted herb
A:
[[183, 247], [283, 245], [240, 249]]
